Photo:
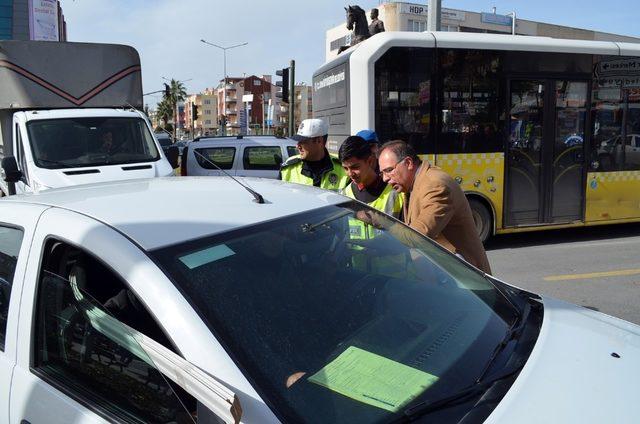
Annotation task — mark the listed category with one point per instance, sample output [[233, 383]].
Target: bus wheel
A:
[[482, 219]]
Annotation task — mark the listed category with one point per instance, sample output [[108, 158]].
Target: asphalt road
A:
[[596, 267]]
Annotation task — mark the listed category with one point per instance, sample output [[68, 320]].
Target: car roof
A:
[[265, 140], [158, 212]]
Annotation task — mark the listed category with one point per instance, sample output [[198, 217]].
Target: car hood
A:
[[572, 376], [55, 178]]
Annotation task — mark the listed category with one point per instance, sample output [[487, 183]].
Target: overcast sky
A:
[[167, 33]]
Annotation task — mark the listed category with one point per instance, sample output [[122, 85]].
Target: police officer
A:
[[360, 163], [313, 166]]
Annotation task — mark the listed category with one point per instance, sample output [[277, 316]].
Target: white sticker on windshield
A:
[[206, 256]]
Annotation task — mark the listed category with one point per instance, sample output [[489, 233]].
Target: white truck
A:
[[70, 114]]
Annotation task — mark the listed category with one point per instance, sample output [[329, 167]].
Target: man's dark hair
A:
[[374, 11], [401, 149], [354, 147]]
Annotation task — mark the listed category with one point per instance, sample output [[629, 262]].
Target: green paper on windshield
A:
[[373, 379]]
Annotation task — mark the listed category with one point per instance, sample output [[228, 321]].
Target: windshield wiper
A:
[[458, 397], [513, 332], [481, 384]]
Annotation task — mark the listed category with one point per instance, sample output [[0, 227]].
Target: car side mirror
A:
[[172, 154], [10, 171]]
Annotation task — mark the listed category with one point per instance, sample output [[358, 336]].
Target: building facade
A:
[[248, 103], [400, 16], [41, 20], [206, 123]]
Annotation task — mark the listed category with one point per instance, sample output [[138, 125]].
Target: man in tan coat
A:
[[435, 205]]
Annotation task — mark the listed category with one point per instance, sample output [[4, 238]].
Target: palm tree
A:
[[164, 111], [177, 93]]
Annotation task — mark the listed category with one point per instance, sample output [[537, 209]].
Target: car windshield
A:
[[79, 142], [335, 320]]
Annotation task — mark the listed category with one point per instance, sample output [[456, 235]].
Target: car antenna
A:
[[257, 197]]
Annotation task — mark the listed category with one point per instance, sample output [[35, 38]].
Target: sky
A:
[[167, 33]]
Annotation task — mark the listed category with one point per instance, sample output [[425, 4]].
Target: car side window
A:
[[83, 343], [10, 242], [292, 150], [262, 158], [221, 156]]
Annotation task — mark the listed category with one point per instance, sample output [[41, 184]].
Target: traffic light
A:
[[284, 83], [194, 111], [167, 90]]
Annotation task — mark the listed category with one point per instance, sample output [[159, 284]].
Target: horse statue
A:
[[356, 22]]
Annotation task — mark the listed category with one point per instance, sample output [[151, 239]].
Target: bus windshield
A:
[[80, 142], [334, 320]]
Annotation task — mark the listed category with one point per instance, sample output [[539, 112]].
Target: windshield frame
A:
[[45, 163], [282, 409]]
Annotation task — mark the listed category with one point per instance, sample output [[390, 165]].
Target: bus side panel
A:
[[331, 103], [477, 172], [612, 196]]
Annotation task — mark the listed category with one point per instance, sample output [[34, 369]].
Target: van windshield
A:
[[80, 142], [334, 320]]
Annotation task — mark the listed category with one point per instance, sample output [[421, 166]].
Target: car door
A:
[[17, 223], [68, 367]]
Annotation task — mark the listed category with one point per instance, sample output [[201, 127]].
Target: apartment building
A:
[[247, 103], [206, 123], [30, 20]]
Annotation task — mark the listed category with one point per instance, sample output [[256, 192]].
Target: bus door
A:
[[545, 151]]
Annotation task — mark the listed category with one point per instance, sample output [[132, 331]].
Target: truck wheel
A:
[[482, 218]]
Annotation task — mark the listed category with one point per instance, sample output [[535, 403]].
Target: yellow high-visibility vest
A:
[[334, 179]]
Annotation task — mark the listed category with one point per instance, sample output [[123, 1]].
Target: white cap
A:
[[310, 128]]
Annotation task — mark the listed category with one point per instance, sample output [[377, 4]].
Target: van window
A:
[[221, 156], [10, 241], [262, 158], [22, 160], [82, 346]]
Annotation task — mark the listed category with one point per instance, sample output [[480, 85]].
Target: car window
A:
[[221, 156], [82, 346], [262, 157], [10, 241], [292, 150]]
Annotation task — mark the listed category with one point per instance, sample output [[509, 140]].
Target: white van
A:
[[246, 156], [73, 120]]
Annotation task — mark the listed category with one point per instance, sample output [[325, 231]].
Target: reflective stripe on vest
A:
[[389, 201], [332, 180]]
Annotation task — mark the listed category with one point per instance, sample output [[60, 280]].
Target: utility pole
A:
[[434, 15], [292, 97]]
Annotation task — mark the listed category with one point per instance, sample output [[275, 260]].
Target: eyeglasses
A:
[[390, 170]]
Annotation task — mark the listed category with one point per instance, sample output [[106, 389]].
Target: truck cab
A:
[[57, 148], [70, 113]]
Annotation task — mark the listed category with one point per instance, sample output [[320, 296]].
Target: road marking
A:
[[592, 275]]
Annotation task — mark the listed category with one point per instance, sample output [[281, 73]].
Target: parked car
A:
[[265, 306], [252, 156], [164, 140]]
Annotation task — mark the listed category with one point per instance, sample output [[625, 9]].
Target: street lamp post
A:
[[224, 87]]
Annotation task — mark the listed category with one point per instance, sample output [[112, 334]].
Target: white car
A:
[[163, 300], [245, 156]]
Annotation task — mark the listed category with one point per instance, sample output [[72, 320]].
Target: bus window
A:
[[470, 102], [615, 116], [403, 97]]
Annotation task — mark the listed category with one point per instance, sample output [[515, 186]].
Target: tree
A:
[[177, 93], [164, 111]]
